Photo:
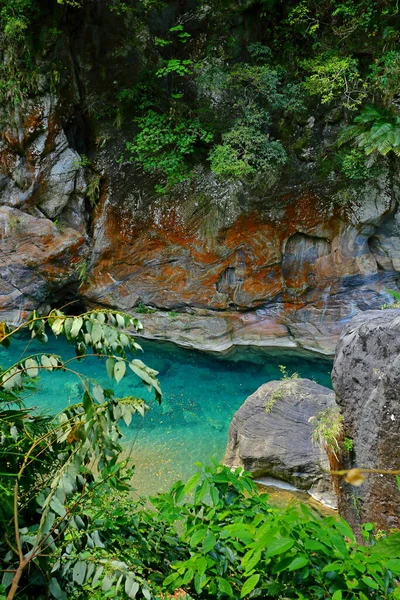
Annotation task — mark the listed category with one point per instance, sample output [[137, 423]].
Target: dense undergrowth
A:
[[70, 529], [236, 86]]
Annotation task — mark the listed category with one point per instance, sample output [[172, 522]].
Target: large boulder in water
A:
[[271, 435], [366, 379]]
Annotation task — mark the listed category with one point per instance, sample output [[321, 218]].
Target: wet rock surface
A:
[[366, 380], [271, 435]]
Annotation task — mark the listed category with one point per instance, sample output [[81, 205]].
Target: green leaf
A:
[[131, 587], [97, 332], [98, 393], [58, 507], [225, 587], [389, 547], [57, 326], [56, 591], [188, 576], [7, 579], [119, 370], [337, 595], [97, 575], [191, 483], [67, 327], [237, 530], [201, 491], [345, 529], [46, 362], [110, 362], [120, 320], [107, 582], [315, 546], [197, 537], [249, 585], [250, 559], [298, 563], [335, 566], [370, 583], [146, 593], [394, 565], [209, 542], [279, 546], [170, 579], [79, 572]]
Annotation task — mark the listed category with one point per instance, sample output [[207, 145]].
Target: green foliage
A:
[[287, 386], [328, 430], [245, 152], [335, 77], [355, 166], [175, 66], [348, 444], [396, 303], [385, 76], [49, 466], [217, 537], [374, 131], [164, 142], [249, 96], [15, 16], [143, 309]]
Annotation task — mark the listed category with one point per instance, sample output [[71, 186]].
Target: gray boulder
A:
[[366, 379], [271, 435]]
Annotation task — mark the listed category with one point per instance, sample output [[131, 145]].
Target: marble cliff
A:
[[220, 263]]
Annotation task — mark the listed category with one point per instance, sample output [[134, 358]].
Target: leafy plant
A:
[[328, 430], [287, 385], [335, 76], [246, 152], [143, 309], [375, 131], [163, 144], [51, 465]]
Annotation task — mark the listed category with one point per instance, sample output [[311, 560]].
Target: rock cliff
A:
[[285, 271], [286, 263], [366, 380]]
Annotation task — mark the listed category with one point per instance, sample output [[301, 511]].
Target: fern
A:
[[374, 131]]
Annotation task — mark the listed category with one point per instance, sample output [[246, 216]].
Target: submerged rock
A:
[[366, 380], [271, 435]]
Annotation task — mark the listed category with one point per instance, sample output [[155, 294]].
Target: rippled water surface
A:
[[201, 394]]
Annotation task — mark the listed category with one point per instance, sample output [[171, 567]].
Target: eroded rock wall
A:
[[42, 210], [285, 270]]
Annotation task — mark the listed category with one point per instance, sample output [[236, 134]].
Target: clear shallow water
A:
[[201, 394]]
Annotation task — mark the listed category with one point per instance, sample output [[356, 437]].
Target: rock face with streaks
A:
[[286, 263], [366, 379], [42, 213], [271, 435], [285, 271]]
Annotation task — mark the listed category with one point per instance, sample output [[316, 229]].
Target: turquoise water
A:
[[201, 394]]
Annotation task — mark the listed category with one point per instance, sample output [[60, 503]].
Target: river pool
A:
[[201, 394]]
